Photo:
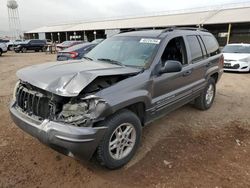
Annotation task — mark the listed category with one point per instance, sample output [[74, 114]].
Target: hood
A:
[[235, 56], [71, 77]]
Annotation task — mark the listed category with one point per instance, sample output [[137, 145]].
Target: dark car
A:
[[75, 52], [31, 45], [99, 105], [67, 44], [4, 40]]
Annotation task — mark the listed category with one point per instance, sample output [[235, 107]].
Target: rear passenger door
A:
[[32, 45], [198, 62]]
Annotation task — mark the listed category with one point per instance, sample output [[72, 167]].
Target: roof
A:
[[237, 13]]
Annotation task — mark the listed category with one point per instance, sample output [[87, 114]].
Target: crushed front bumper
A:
[[79, 142]]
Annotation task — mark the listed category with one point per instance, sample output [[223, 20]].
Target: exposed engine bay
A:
[[82, 110]]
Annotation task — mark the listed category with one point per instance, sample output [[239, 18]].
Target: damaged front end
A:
[[83, 112]]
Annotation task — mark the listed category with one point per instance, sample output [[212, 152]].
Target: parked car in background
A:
[[97, 41], [34, 45], [237, 57], [3, 48], [75, 52], [99, 105], [12, 44], [67, 44], [4, 40]]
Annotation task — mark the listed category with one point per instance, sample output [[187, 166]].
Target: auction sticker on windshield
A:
[[150, 41]]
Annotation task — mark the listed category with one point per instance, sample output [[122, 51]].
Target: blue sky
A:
[[36, 13]]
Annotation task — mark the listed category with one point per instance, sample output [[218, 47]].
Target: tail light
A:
[[221, 61], [73, 54]]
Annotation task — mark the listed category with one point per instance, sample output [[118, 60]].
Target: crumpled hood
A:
[[69, 78], [235, 56]]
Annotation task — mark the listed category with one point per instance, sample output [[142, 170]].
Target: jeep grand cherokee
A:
[[100, 104]]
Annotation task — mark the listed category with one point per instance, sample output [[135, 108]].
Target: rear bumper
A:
[[79, 142]]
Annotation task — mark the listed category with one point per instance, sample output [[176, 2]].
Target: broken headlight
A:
[[83, 111]]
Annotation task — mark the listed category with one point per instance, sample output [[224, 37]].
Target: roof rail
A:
[[184, 28], [133, 29]]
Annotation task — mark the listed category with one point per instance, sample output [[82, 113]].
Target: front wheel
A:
[[121, 139], [1, 52], [206, 99], [24, 50]]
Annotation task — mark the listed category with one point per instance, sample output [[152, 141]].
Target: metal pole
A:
[[229, 33]]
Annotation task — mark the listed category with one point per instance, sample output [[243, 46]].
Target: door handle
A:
[[186, 73]]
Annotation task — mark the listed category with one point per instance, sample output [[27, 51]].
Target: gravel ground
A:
[[187, 148]]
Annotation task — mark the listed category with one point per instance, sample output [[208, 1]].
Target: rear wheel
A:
[[1, 52], [121, 140], [206, 99]]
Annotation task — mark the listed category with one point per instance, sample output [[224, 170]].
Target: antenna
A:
[[14, 21]]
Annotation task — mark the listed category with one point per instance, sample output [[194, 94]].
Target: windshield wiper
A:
[[111, 61], [88, 58]]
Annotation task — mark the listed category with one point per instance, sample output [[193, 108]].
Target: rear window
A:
[[211, 45], [195, 48]]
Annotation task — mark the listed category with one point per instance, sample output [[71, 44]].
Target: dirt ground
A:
[[187, 148]]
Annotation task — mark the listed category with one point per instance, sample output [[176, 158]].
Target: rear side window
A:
[[211, 45], [195, 48]]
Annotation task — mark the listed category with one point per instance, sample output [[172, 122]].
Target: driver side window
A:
[[175, 50]]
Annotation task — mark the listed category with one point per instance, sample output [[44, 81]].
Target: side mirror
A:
[[171, 66]]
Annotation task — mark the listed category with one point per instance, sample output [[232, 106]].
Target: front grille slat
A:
[[21, 98], [29, 101], [37, 105], [32, 102]]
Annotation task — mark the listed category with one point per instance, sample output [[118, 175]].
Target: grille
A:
[[229, 66], [33, 102]]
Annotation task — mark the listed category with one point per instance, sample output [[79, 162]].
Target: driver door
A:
[[170, 90]]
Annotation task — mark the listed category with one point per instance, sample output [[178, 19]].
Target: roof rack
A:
[[169, 29], [133, 29]]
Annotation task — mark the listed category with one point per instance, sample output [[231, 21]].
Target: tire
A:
[[24, 50], [117, 123], [1, 52], [206, 99], [44, 49]]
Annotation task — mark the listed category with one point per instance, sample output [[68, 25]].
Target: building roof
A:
[[235, 13]]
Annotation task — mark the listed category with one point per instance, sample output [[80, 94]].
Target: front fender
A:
[[117, 102]]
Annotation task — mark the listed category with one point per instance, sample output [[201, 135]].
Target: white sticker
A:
[[150, 41]]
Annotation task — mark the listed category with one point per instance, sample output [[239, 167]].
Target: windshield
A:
[[128, 51], [236, 49]]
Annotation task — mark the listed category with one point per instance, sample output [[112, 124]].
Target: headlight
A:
[[81, 113], [15, 89]]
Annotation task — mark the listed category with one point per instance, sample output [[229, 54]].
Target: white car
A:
[[237, 57], [3, 48]]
